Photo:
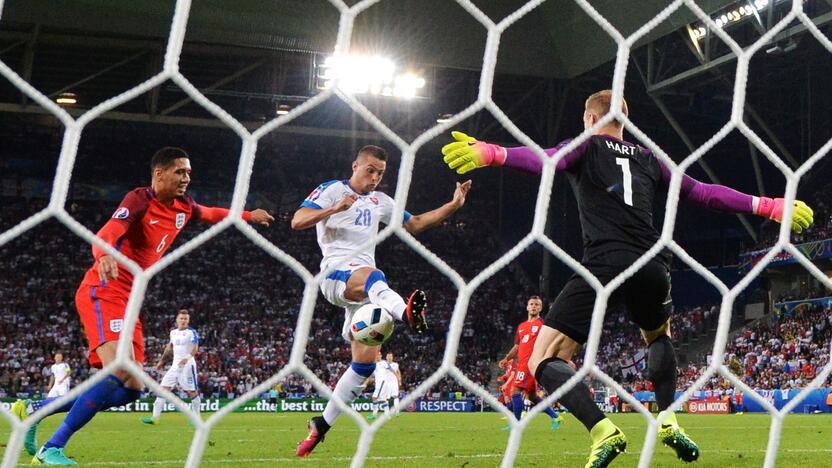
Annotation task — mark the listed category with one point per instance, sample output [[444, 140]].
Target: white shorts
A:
[[333, 288], [183, 377], [58, 390], [382, 391], [335, 284]]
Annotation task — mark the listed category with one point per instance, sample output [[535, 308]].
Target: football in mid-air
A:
[[371, 325]]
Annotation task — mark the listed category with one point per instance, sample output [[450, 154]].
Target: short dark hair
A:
[[374, 151], [165, 156], [535, 297], [182, 312]]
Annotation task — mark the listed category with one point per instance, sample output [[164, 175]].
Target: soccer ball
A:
[[371, 325]]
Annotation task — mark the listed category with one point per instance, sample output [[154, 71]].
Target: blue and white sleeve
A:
[[322, 197]]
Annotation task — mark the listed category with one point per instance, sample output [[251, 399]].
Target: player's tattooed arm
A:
[[419, 223], [166, 355], [305, 218], [512, 353]]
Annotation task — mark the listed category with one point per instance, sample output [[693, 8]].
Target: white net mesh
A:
[[170, 71]]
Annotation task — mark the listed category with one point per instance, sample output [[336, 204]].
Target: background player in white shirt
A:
[[346, 214], [60, 379], [387, 382], [183, 345], [395, 381]]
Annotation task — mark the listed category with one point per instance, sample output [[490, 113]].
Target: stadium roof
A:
[[557, 39]]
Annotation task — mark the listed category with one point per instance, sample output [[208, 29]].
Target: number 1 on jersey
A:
[[628, 179]]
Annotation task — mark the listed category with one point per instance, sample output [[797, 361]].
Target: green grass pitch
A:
[[431, 439]]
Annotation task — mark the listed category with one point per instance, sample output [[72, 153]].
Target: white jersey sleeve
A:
[[324, 196]]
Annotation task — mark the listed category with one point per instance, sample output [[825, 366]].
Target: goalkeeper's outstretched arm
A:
[[467, 153]]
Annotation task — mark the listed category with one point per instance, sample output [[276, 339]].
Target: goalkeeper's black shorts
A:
[[645, 296]]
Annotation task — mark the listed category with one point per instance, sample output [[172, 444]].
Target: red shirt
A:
[[525, 338], [142, 229]]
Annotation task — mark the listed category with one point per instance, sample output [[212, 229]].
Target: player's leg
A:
[[119, 388], [159, 403], [374, 405], [396, 407], [649, 305], [534, 398], [25, 408], [661, 364], [196, 402], [370, 283], [169, 380], [350, 385], [189, 383], [114, 390], [566, 327], [517, 405]]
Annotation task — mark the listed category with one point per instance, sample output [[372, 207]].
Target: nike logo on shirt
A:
[[154, 221]]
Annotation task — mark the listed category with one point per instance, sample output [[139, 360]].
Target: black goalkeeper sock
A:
[[552, 373], [661, 365]]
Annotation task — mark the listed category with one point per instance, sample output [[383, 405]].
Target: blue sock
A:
[[105, 394], [517, 405], [550, 412], [38, 404]]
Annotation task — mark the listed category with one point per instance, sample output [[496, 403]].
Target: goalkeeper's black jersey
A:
[[615, 185]]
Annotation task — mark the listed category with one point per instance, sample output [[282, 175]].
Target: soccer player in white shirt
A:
[[395, 381], [60, 379], [388, 380], [347, 214], [183, 345]]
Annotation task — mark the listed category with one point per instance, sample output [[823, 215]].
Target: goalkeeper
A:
[[615, 184]]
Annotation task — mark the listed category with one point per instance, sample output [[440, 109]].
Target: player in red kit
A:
[[143, 227], [524, 382], [508, 379]]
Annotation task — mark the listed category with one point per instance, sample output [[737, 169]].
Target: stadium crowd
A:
[[782, 352]]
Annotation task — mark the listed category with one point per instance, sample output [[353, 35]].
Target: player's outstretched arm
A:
[[213, 215], [419, 223], [306, 217], [466, 153], [722, 198]]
